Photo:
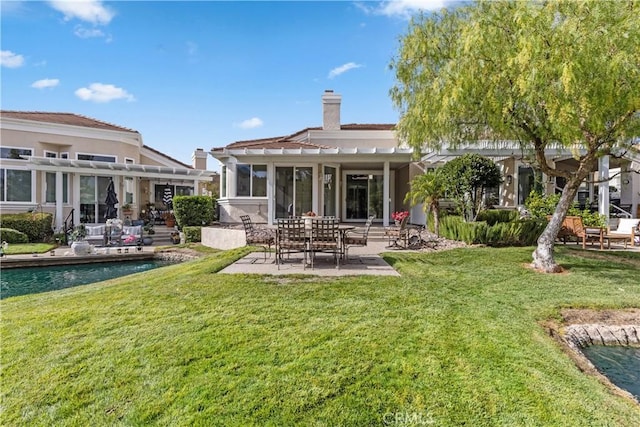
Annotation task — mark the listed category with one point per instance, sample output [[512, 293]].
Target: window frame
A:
[[252, 179]]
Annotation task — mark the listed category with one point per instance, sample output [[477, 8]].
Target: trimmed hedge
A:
[[37, 226], [523, 232], [193, 210], [10, 235], [192, 234]]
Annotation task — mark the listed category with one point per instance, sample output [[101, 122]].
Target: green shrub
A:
[[541, 206], [193, 210], [10, 235], [494, 216], [37, 226], [523, 232], [192, 233]]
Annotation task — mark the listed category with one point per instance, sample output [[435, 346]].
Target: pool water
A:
[[620, 364], [32, 280]]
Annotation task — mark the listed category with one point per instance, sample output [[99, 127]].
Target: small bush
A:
[[192, 234], [37, 226], [10, 235]]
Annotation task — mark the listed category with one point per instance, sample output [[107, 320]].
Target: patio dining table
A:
[[342, 230]]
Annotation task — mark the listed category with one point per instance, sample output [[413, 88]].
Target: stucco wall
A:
[[223, 238]]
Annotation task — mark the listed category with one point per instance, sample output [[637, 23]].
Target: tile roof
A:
[[160, 153], [287, 142], [63, 119]]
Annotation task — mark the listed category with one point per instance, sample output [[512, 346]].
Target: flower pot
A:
[[81, 247], [147, 241]]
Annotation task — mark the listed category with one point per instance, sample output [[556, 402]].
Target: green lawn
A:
[[29, 248], [454, 341]]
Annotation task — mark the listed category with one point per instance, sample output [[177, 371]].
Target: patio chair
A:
[[290, 237], [625, 233], [398, 233], [325, 237], [356, 238], [257, 235]]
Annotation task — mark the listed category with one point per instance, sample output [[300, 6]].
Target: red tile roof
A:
[[63, 119], [287, 142]]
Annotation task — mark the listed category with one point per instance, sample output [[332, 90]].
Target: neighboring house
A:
[[62, 163], [356, 170]]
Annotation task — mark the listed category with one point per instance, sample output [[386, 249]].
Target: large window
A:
[[51, 188], [93, 194], [14, 153], [16, 185], [251, 180], [50, 182]]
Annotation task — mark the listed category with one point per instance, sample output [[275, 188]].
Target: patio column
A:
[[385, 195], [59, 200], [271, 185], [603, 186]]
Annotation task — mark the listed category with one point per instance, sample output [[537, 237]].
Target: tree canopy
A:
[[546, 74], [560, 72]]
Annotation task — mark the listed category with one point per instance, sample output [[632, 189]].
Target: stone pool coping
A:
[[62, 256]]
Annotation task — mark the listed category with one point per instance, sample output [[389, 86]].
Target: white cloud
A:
[[343, 69], [45, 83], [99, 92], [11, 60], [87, 33], [92, 11], [251, 123], [404, 8]]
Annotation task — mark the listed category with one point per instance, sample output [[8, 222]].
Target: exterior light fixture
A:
[[509, 179]]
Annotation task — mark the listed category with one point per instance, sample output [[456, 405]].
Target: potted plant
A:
[[80, 246], [148, 240], [399, 216], [127, 209], [169, 219]]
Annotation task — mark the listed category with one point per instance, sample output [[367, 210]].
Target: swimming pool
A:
[[32, 280]]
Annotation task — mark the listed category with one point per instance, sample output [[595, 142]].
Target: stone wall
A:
[[580, 336]]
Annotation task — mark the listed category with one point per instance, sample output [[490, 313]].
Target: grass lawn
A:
[[29, 248], [454, 341]]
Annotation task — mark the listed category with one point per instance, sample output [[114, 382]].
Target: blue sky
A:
[[203, 74]]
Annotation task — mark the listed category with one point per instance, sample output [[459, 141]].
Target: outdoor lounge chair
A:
[[573, 228], [626, 232], [356, 238], [257, 235]]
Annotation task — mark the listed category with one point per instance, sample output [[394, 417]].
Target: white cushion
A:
[[626, 226], [97, 230], [136, 230]]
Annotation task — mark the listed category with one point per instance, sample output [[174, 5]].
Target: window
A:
[[50, 196], [223, 182], [15, 185], [251, 180], [97, 158], [14, 153]]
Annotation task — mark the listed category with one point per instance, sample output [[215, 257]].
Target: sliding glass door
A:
[[364, 196], [294, 191]]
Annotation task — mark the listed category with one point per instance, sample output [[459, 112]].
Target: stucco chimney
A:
[[331, 110], [199, 159]]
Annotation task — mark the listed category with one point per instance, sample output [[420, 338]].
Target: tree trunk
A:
[[543, 255], [436, 218]]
